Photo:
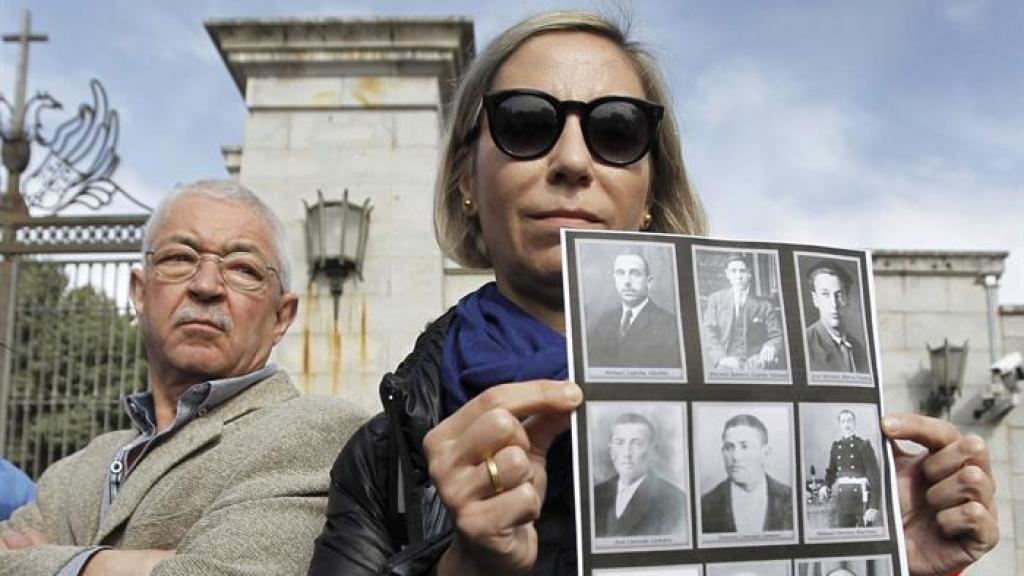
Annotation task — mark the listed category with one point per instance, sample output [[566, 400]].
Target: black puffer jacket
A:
[[383, 514]]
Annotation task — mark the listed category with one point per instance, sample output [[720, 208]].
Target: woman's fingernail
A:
[[890, 423], [573, 393]]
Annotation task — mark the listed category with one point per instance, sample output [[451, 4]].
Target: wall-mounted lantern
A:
[[336, 233], [948, 364]]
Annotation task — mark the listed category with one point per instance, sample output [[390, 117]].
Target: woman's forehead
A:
[[570, 66]]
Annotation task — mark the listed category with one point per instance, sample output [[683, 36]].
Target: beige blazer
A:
[[239, 490]]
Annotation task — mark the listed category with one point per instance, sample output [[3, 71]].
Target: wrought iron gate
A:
[[72, 348]]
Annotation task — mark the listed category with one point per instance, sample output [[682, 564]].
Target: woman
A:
[[468, 469]]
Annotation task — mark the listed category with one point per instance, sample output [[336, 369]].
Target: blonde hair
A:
[[674, 206]]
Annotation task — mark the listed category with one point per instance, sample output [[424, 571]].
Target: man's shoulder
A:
[[607, 488], [664, 488], [305, 414], [722, 294], [816, 331], [777, 488], [716, 495]]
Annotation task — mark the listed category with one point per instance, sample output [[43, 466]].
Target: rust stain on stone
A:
[[335, 357], [325, 98], [307, 336], [368, 91]]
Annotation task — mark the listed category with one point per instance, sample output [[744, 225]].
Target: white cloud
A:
[[772, 162]]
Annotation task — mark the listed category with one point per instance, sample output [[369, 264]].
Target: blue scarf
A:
[[493, 341]]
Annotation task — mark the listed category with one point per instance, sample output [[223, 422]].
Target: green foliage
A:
[[76, 354]]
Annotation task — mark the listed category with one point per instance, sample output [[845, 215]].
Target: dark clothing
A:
[[728, 335], [383, 514], [657, 508], [716, 508], [825, 355], [651, 341], [852, 458]]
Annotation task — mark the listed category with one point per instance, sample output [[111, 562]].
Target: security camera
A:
[[1010, 369]]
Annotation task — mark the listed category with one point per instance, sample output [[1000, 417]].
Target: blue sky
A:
[[871, 124]]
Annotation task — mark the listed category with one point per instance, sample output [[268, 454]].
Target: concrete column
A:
[[355, 104]]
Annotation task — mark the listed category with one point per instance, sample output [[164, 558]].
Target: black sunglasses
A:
[[526, 124]]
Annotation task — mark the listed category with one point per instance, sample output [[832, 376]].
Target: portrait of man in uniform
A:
[[636, 332], [852, 479], [741, 330], [843, 472]]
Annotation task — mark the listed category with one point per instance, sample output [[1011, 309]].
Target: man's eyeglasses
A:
[[243, 271], [526, 124]]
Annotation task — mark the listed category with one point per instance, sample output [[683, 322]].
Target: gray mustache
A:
[[193, 313]]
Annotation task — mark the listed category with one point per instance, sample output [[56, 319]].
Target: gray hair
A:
[[227, 191], [674, 206]]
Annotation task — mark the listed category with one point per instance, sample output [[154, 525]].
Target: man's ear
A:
[[286, 312], [137, 289]]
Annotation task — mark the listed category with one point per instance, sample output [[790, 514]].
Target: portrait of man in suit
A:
[[636, 501], [832, 345], [741, 330], [637, 332], [749, 500]]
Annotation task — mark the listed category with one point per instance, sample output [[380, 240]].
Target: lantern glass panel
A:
[[333, 213], [353, 220], [939, 365]]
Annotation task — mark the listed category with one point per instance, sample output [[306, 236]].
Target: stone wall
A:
[[357, 105], [922, 299]]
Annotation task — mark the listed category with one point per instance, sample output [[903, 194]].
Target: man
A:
[[830, 346], [741, 331], [749, 500], [228, 471], [636, 502], [852, 477], [638, 333]]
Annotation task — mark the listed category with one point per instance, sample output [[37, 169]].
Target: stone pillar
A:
[[355, 104], [923, 297]]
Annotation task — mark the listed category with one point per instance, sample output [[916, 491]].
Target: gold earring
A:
[[647, 221]]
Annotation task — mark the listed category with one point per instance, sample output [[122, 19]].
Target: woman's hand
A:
[[513, 424], [946, 494]]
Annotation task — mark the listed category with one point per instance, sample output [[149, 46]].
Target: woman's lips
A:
[[567, 218]]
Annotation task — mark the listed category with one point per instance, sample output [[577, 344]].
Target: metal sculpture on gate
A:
[[81, 156]]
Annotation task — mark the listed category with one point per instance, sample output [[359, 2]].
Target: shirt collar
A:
[[202, 396], [636, 309], [837, 337]]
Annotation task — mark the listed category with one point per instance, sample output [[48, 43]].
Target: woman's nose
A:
[[569, 162]]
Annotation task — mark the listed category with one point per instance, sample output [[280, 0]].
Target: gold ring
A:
[[492, 470]]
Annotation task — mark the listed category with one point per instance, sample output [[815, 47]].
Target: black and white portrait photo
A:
[[630, 311], [836, 342], [638, 464], [842, 472], [740, 308], [854, 566], [650, 571], [745, 473], [761, 568]]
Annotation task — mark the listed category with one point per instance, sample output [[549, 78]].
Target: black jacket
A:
[[383, 514]]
